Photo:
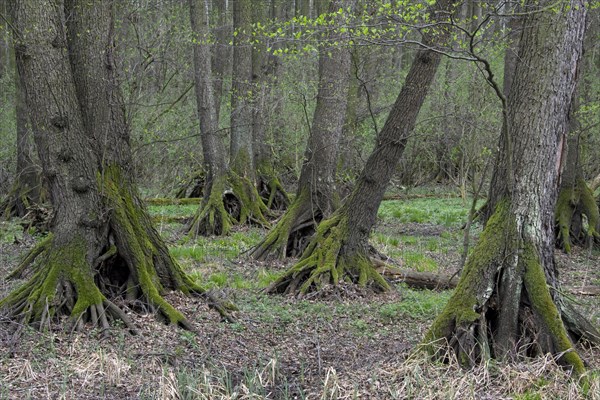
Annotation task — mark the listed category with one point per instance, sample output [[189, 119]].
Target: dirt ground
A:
[[345, 343]]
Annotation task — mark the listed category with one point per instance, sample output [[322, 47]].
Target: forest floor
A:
[[343, 343]]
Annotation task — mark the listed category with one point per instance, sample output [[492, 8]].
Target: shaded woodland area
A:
[[299, 199]]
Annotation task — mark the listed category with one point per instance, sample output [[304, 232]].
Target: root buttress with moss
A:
[[19, 200], [573, 203], [326, 261], [232, 200], [133, 267], [291, 234], [272, 192], [503, 305]]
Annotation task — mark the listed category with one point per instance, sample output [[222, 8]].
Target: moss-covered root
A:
[[212, 218], [546, 311], [232, 200], [63, 285], [19, 199], [272, 192], [42, 246], [250, 207], [289, 236], [572, 201], [461, 328], [325, 262]]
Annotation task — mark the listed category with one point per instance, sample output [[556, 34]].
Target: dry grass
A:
[[340, 344]]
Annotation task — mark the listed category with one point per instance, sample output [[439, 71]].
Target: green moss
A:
[[269, 176], [60, 265], [476, 278], [325, 262], [590, 208], [212, 218], [544, 307], [277, 239], [139, 249], [570, 199]]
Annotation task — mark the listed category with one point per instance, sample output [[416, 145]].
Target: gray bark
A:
[[242, 94], [213, 149]]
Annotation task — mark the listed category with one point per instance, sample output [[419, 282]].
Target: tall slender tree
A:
[[265, 68], [508, 298], [340, 250], [102, 244], [230, 196]]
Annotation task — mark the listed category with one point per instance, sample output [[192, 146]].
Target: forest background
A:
[[447, 163]]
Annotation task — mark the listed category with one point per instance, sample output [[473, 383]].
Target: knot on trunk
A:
[[59, 121], [80, 184]]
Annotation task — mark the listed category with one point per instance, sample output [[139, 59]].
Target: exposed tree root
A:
[[19, 199], [574, 203], [78, 277], [503, 307], [326, 261], [232, 200], [272, 192], [192, 188], [290, 236]]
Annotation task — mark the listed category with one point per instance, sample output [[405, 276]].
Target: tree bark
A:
[[500, 174], [102, 244], [221, 51], [27, 189], [340, 249], [264, 79], [316, 194], [506, 300], [229, 198], [242, 94]]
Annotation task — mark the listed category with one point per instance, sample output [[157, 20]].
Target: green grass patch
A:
[[449, 212], [417, 304], [173, 210], [418, 262], [11, 230], [206, 249]]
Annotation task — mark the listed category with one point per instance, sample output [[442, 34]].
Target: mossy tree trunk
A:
[[229, 198], [316, 193], [507, 302], [575, 203], [340, 250], [577, 214], [102, 245]]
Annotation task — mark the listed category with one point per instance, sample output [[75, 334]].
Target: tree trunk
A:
[[501, 165], [264, 68], [102, 245], [229, 198], [222, 51], [242, 93], [340, 249], [506, 300], [27, 189], [316, 193], [575, 200]]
